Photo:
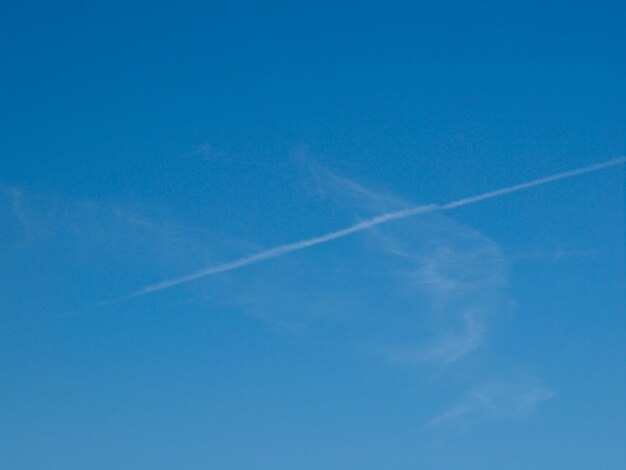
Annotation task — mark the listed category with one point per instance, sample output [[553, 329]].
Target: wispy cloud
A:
[[421, 291], [118, 242], [499, 399], [362, 226], [557, 254], [454, 345], [459, 278], [28, 219]]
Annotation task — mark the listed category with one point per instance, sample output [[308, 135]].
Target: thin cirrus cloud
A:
[[438, 284], [80, 232], [452, 276], [500, 399], [423, 290], [420, 291], [386, 218]]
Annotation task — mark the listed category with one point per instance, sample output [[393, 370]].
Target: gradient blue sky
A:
[[144, 141]]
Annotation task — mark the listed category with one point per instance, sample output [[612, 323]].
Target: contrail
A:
[[364, 225]]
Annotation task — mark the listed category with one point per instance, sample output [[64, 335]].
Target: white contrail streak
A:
[[364, 225]]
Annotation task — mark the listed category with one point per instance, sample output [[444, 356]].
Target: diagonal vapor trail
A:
[[361, 226]]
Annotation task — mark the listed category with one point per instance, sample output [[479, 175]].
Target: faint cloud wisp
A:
[[496, 400]]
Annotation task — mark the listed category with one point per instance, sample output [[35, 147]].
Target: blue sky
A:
[[144, 142]]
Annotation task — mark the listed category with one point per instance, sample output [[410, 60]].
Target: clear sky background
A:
[[144, 141]]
